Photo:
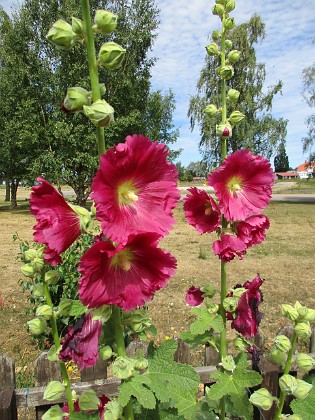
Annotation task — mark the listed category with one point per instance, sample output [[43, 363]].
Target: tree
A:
[[281, 161], [198, 169], [259, 131], [308, 77]]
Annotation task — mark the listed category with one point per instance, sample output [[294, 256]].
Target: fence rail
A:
[[12, 399]]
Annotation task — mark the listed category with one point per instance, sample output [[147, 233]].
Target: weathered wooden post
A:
[[8, 410]]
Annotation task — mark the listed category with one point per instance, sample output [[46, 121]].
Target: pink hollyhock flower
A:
[[201, 211], [135, 189], [228, 246], [194, 296], [58, 225], [127, 275], [242, 184], [81, 342], [252, 230], [247, 315]]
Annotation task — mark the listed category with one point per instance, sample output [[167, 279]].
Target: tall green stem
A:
[[55, 335], [223, 95], [286, 370], [93, 69]]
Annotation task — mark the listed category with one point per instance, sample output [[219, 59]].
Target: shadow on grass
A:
[[23, 207]]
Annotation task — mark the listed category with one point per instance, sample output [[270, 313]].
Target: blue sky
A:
[[287, 49]]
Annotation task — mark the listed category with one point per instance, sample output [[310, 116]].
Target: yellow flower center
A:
[[122, 260], [127, 193], [235, 184]]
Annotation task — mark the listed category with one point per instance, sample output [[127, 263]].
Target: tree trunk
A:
[[81, 197], [14, 187], [7, 190]]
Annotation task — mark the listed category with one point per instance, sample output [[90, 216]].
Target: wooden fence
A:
[[12, 400]]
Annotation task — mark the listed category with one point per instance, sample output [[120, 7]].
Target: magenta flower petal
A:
[[228, 246], [252, 230], [194, 296], [248, 316], [81, 342], [58, 226], [201, 211], [135, 189], [242, 184], [128, 275]]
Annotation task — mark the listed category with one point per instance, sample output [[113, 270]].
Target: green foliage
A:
[[281, 161], [308, 76], [164, 380], [305, 407]]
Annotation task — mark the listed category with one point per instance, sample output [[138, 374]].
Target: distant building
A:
[[306, 170], [286, 175]]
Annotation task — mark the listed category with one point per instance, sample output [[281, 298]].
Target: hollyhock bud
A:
[[105, 22], [288, 384], [75, 99], [212, 308], [233, 95], [123, 367], [229, 23], [241, 344], [305, 314], [85, 216], [224, 130], [105, 352], [211, 110], [228, 44], [208, 290], [88, 400], [37, 326], [262, 399], [218, 10], [289, 312], [277, 356], [100, 113], [230, 304], [303, 389], [223, 2], [53, 391], [228, 363], [282, 343], [44, 311], [226, 72], [114, 410], [37, 264], [61, 35], [38, 290], [233, 56], [111, 55], [52, 277], [140, 362], [52, 355], [104, 312], [304, 362], [138, 320], [28, 270], [230, 5], [303, 330], [78, 27], [212, 49], [216, 35], [30, 254]]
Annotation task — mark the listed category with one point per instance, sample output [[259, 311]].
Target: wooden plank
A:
[[8, 409]]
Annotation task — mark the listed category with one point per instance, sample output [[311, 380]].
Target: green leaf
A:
[[305, 407], [206, 322], [77, 308], [54, 413], [137, 386], [85, 416]]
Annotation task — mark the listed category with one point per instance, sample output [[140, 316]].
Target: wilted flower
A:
[[242, 184], [128, 275], [194, 296], [135, 189], [228, 246], [252, 229], [201, 211]]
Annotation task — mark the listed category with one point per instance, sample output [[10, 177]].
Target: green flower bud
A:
[[224, 130], [104, 312], [233, 95], [223, 2], [38, 290], [28, 270], [228, 44], [282, 343], [100, 113], [37, 264], [303, 389], [277, 356], [85, 217], [218, 10], [229, 23], [111, 55], [123, 367], [228, 363], [30, 254], [102, 88], [262, 399], [230, 5], [75, 99], [52, 277], [216, 35], [289, 312], [236, 117], [233, 56], [52, 354], [37, 326], [138, 320], [55, 412], [238, 292], [208, 290], [211, 110], [306, 314], [288, 384], [304, 362], [212, 308], [105, 352], [62, 35], [230, 304], [140, 362], [88, 400], [226, 72], [241, 344], [105, 22], [78, 27], [212, 49], [44, 311], [53, 391], [113, 410], [303, 330]]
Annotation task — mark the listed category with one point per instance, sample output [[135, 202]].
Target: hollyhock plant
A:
[[127, 275], [201, 211], [58, 224], [242, 184], [228, 246], [252, 230], [194, 296], [135, 189], [81, 342], [101, 408], [248, 316]]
